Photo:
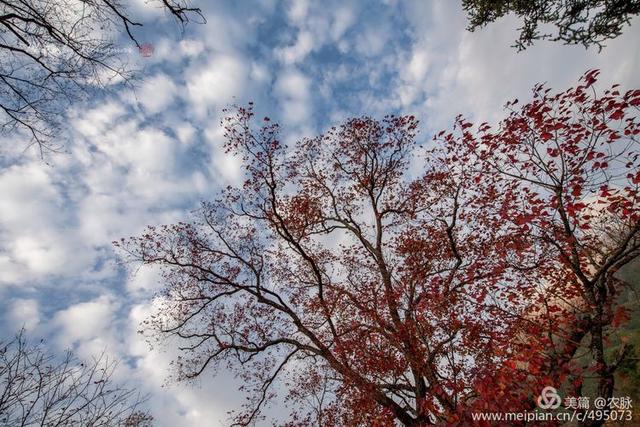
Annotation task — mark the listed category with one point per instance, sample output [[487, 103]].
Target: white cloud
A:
[[23, 313], [90, 328], [146, 150], [157, 93], [97, 121], [203, 404], [35, 238], [344, 17], [185, 132], [316, 24], [293, 90], [298, 10], [49, 253], [145, 278], [299, 50], [418, 65], [373, 40], [260, 73], [225, 166], [191, 47], [212, 85], [27, 195], [85, 320]]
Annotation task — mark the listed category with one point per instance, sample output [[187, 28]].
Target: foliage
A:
[[574, 156], [373, 293], [585, 22]]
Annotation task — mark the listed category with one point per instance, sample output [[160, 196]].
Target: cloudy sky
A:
[[149, 156]]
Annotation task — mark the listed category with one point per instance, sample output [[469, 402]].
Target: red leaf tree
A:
[[572, 161], [375, 293]]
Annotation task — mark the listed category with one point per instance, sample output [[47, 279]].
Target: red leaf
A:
[[617, 115]]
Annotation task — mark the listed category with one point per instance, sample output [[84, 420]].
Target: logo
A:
[[146, 50], [549, 398]]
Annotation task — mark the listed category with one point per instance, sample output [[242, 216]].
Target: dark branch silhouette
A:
[[56, 51], [39, 389], [585, 22]]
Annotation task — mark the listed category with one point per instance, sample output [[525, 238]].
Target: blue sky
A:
[[149, 156]]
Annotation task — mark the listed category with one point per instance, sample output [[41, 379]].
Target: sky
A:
[[150, 155]]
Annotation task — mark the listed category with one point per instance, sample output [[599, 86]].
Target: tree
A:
[[37, 388], [589, 23], [573, 159], [54, 51], [378, 294]]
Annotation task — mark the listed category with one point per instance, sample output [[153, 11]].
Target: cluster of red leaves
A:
[[373, 298], [572, 160]]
